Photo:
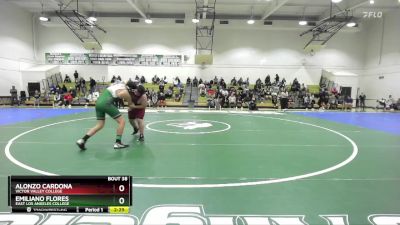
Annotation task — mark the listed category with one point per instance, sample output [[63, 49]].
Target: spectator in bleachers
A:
[[389, 103], [268, 81], [308, 101], [175, 82], [215, 81], [136, 78], [397, 105], [77, 88], [165, 80], [161, 87], [178, 97], [362, 98], [83, 86], [195, 82], [240, 81], [64, 89], [296, 85], [223, 84], [67, 79], [283, 83], [68, 97], [253, 104], [232, 100], [76, 75], [154, 79], [188, 81], [170, 91], [258, 85], [73, 93], [200, 81], [332, 104], [247, 83], [142, 80], [276, 79], [58, 99], [119, 78], [202, 90], [234, 81], [334, 91], [113, 79], [92, 84]]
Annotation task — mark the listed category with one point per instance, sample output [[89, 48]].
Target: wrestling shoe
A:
[[135, 130], [141, 138], [120, 145], [81, 144]]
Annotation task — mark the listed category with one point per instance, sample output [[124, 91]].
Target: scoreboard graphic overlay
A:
[[82, 194]]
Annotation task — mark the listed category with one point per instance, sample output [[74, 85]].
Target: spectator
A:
[[390, 103], [161, 87], [348, 102], [76, 75], [362, 98], [83, 86], [37, 99], [188, 81], [240, 81], [92, 84], [161, 99], [119, 78], [58, 100], [195, 82], [283, 83], [397, 105], [284, 97], [154, 79], [142, 80], [14, 96], [113, 79], [64, 89], [200, 81], [332, 104], [178, 97], [202, 90], [68, 99], [170, 91], [233, 81], [253, 105], [276, 79], [268, 81], [67, 79], [232, 100], [215, 80], [308, 99]]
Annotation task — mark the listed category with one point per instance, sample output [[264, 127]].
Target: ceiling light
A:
[[351, 24], [43, 18], [336, 1], [250, 21], [302, 22], [195, 20], [148, 21], [92, 19], [371, 2]]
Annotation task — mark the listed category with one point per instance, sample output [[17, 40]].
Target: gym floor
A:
[[230, 163]]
